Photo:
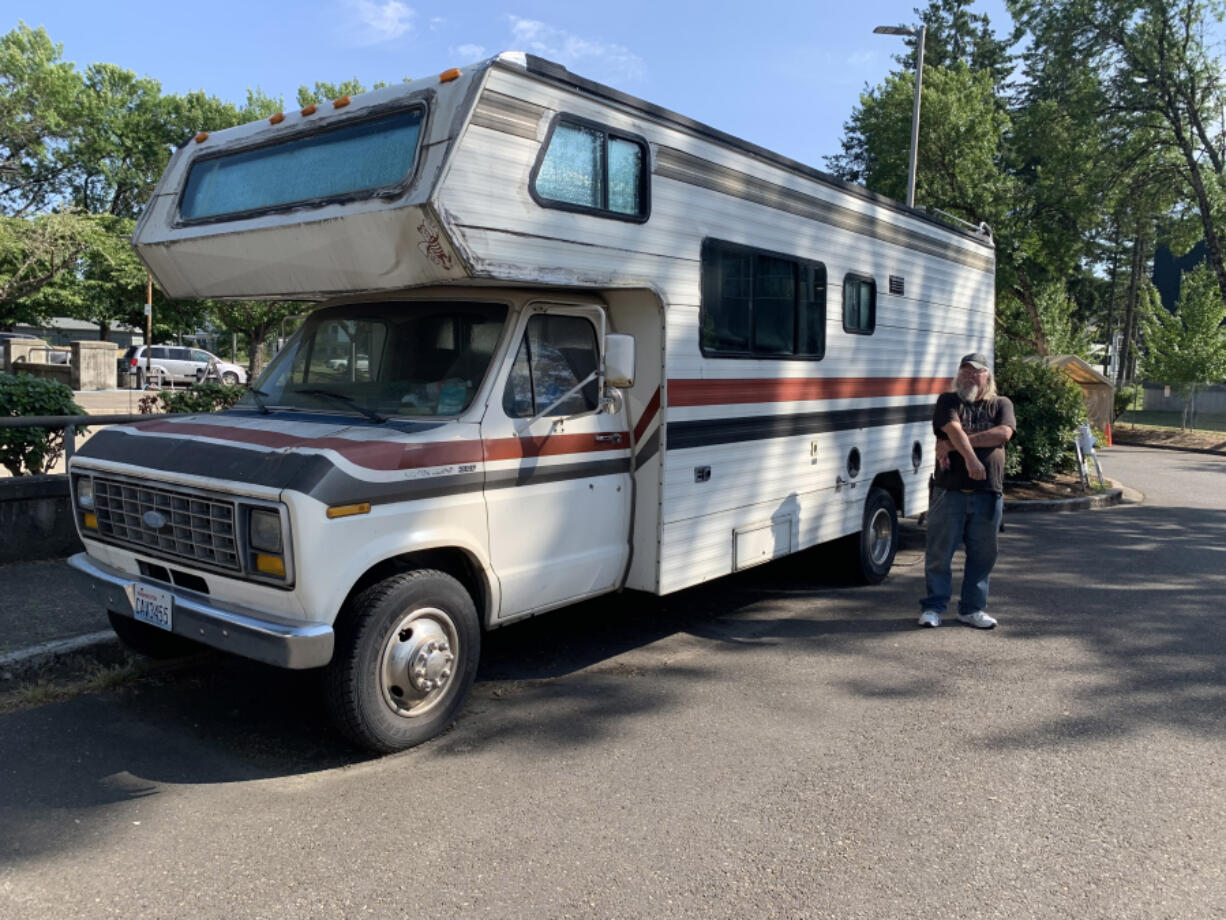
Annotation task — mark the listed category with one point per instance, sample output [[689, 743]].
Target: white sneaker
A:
[[930, 618], [978, 619]]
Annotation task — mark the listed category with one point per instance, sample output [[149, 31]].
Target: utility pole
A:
[[148, 324]]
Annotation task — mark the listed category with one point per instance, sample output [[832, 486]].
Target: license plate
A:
[[153, 606]]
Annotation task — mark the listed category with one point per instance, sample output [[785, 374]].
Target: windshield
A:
[[385, 360]]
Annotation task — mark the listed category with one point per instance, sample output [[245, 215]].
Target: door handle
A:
[[608, 438]]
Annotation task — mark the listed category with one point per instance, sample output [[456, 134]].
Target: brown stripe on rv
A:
[[399, 455], [685, 167], [373, 455], [684, 392], [653, 406]]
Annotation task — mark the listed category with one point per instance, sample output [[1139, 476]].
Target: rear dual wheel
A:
[[406, 656]]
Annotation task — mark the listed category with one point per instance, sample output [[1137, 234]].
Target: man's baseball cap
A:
[[976, 360]]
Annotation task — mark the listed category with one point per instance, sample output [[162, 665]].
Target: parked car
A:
[[342, 364], [176, 364]]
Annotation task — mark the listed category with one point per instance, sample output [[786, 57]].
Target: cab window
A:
[[555, 354]]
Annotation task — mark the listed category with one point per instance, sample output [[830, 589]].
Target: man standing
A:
[[972, 425]]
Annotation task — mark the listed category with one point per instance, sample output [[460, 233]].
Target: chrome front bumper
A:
[[232, 629]]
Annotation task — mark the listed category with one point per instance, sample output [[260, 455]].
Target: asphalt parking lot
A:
[[775, 744]]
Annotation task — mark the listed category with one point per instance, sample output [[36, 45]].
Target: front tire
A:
[[877, 542], [406, 655], [229, 378]]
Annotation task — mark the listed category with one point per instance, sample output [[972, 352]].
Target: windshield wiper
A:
[[348, 401], [255, 395]]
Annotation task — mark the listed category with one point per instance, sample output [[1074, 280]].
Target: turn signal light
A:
[[90, 520], [448, 75], [270, 565], [339, 511]]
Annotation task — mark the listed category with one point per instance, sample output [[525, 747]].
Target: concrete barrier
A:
[[36, 519], [95, 365]]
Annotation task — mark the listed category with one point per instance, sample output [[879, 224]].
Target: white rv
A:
[[568, 343]]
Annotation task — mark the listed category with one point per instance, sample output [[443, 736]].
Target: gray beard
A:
[[968, 392]]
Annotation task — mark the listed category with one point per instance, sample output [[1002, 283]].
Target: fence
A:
[[1170, 406]]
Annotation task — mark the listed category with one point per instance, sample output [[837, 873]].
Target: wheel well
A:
[[449, 559], [892, 483]]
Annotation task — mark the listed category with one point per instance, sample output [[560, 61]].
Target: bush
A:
[[1124, 398], [199, 397], [1049, 408], [32, 451]]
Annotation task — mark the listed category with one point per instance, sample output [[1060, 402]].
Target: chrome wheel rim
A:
[[417, 666], [880, 537]]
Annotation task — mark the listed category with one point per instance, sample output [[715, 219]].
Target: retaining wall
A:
[[36, 519]]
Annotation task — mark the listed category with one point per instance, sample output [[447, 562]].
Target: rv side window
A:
[[555, 354], [859, 304], [588, 167], [759, 305]]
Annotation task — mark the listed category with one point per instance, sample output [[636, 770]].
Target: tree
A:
[[38, 98], [1160, 80], [34, 252], [257, 320], [1188, 347]]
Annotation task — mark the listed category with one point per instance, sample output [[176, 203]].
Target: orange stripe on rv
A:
[[684, 392]]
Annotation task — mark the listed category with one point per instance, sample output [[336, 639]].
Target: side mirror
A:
[[618, 360]]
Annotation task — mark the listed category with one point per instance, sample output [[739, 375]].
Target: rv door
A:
[[558, 483]]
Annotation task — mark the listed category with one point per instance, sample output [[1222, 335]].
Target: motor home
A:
[[567, 343]]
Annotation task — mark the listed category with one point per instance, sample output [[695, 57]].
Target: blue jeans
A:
[[955, 518]]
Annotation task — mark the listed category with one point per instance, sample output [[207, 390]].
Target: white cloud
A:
[[436, 23], [600, 60], [470, 53], [381, 22]]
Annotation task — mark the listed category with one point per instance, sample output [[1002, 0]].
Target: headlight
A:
[[85, 492], [266, 531]]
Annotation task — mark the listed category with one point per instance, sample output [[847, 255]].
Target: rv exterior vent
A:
[[896, 285]]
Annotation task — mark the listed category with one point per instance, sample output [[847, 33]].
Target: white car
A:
[[176, 363], [342, 364]]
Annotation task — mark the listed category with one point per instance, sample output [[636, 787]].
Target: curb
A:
[[1084, 503], [14, 665], [1186, 450]]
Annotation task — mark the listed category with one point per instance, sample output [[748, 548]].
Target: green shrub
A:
[[32, 451], [199, 397], [1124, 398], [1049, 408]]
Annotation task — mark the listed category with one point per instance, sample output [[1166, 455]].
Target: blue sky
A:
[[781, 73]]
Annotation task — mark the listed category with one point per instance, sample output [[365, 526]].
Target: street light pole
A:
[[921, 33]]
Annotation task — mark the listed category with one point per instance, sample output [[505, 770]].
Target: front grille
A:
[[197, 528]]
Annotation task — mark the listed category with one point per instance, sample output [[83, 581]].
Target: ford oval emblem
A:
[[154, 520]]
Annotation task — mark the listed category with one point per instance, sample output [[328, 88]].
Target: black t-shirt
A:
[[974, 417]]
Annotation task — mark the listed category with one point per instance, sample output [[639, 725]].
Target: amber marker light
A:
[[276, 119], [202, 137], [270, 565], [90, 520], [310, 109], [340, 103], [340, 511], [448, 75]]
